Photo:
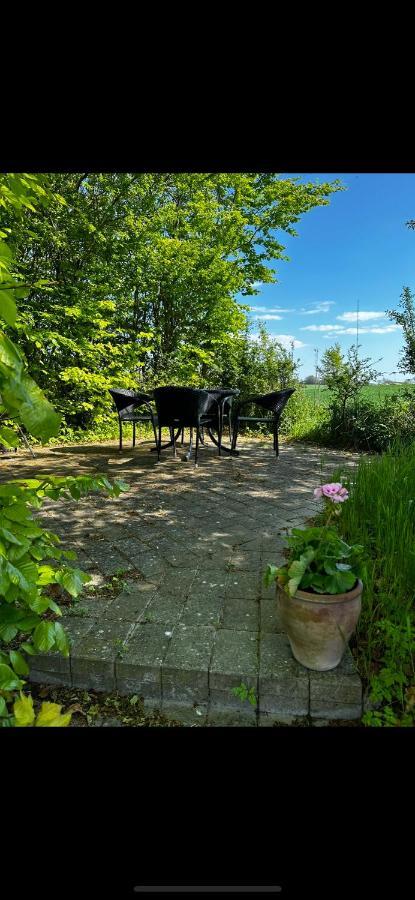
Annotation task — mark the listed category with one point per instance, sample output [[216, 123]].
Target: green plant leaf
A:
[[23, 711], [8, 310], [18, 662], [73, 580], [44, 636], [61, 637], [8, 679]]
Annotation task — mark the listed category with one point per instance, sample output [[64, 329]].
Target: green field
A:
[[377, 393]]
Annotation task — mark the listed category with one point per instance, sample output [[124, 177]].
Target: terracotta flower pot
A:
[[319, 626]]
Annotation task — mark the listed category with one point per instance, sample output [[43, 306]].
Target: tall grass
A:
[[381, 515]]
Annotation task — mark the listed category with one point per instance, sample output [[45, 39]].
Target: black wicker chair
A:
[[274, 402], [127, 402], [181, 407]]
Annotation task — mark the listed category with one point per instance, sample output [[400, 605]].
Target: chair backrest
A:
[[274, 401], [181, 405], [126, 401]]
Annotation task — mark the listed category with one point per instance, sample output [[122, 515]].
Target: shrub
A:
[[381, 515]]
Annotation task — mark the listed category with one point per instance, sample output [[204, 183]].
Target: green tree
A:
[[405, 317], [344, 376], [28, 553], [135, 277]]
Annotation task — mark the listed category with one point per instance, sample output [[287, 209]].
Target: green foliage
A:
[[29, 553], [245, 693], [31, 561], [319, 561], [344, 377], [405, 317], [20, 397], [381, 515], [133, 279], [49, 716], [382, 415]]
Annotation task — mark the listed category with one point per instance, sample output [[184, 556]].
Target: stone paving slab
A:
[[191, 619]]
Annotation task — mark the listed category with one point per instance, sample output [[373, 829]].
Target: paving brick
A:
[[336, 694], [234, 660], [93, 666], [243, 585], [192, 716], [283, 683], [240, 614], [185, 669], [203, 609], [129, 606], [139, 669], [231, 718], [270, 615], [192, 534], [165, 609]]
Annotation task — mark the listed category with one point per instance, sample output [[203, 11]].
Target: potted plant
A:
[[319, 588]]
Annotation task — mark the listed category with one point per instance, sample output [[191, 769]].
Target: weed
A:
[[245, 693]]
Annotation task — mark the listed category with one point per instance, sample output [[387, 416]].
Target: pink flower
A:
[[334, 492]]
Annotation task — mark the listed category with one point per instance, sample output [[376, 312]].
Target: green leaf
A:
[[3, 707], [44, 636], [36, 413], [9, 536], [8, 310], [16, 512], [8, 679], [270, 575], [9, 437], [10, 356], [29, 649], [297, 570], [23, 711], [61, 637], [8, 632], [28, 623], [73, 580], [50, 716], [18, 662]]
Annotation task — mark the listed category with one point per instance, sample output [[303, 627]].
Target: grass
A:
[[381, 515], [375, 393]]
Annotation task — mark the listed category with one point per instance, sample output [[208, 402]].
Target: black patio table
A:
[[220, 398], [223, 397]]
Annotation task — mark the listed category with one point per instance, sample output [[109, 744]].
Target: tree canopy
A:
[[143, 278]]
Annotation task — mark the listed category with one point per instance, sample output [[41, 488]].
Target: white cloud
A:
[[321, 307], [323, 328], [268, 316], [363, 316], [270, 309], [284, 339], [287, 339], [340, 329]]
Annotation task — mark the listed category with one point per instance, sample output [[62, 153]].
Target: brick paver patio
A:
[[191, 619]]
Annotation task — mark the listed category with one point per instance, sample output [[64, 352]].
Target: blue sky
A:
[[355, 249]]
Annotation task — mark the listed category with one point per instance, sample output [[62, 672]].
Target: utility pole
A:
[[316, 367], [357, 328]]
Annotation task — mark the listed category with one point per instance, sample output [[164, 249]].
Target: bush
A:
[[381, 515], [371, 426]]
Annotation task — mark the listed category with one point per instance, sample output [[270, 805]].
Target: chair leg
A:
[[120, 427], [182, 436], [154, 429], [235, 433], [133, 434], [173, 438], [159, 444], [276, 448], [197, 445]]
